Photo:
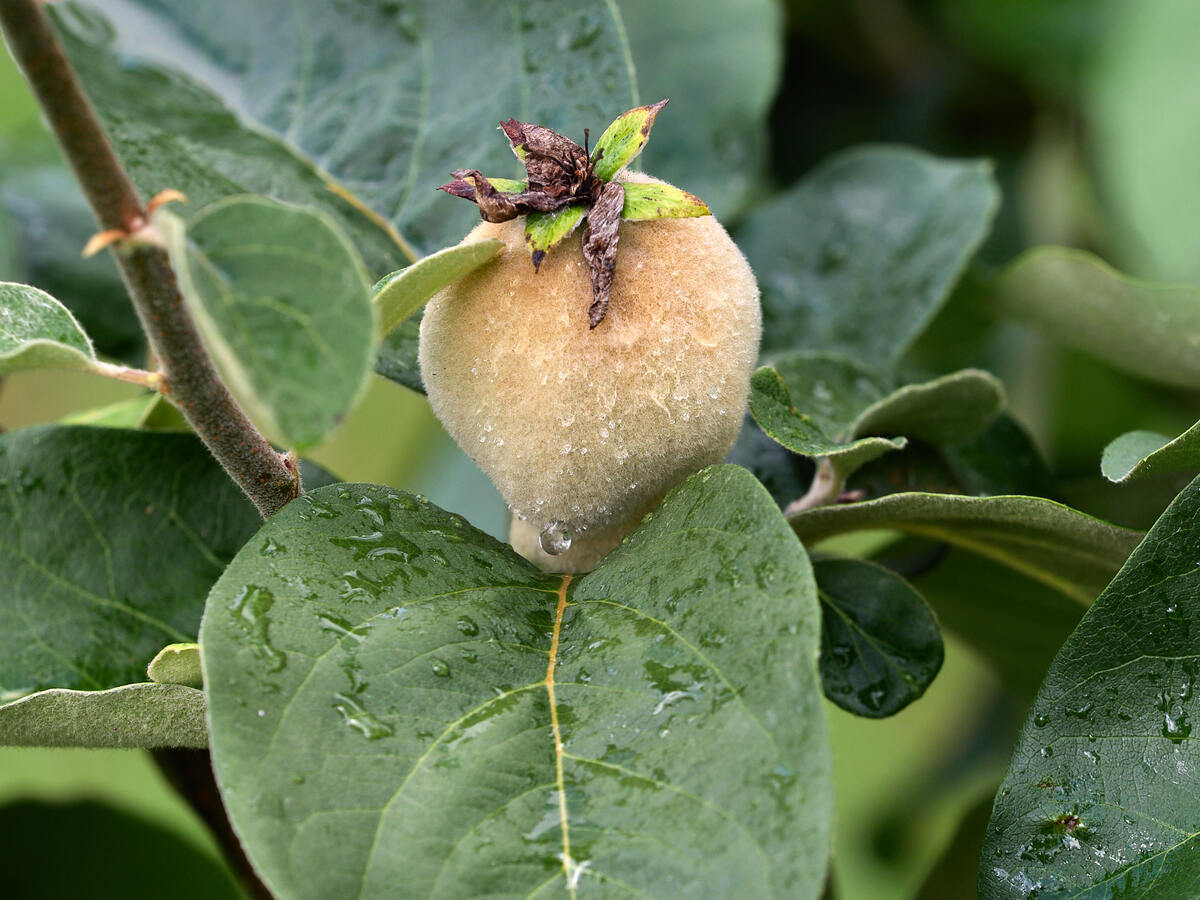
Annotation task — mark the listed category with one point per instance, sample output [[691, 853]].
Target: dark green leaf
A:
[[112, 853], [399, 295], [285, 303], [1147, 329], [1064, 549], [143, 715], [177, 664], [227, 98], [659, 200], [859, 255], [109, 541], [38, 332], [543, 231], [1144, 453], [719, 62], [946, 410], [397, 358], [388, 730], [1100, 799], [880, 645], [624, 139]]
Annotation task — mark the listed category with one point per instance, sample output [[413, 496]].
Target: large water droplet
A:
[[555, 538]]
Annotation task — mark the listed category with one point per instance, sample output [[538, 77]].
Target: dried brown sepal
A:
[[555, 165], [497, 206], [600, 247]]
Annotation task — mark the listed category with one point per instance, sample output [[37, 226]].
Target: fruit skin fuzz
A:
[[591, 427]]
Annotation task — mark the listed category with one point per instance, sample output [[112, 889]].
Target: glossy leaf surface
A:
[[1100, 799], [401, 706]]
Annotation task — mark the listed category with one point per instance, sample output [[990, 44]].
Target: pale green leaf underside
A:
[[1109, 741], [38, 332], [142, 715], [399, 295], [1071, 552], [387, 731], [1151, 330], [177, 664], [945, 410], [285, 304], [644, 202], [224, 97], [623, 140], [109, 541], [544, 230], [1141, 453], [880, 645], [859, 256]]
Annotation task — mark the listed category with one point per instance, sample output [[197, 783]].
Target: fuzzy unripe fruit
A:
[[583, 431]]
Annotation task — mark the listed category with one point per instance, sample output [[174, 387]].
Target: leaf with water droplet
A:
[[1112, 724], [688, 718], [880, 645]]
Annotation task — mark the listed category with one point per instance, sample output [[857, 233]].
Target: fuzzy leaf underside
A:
[[399, 295], [38, 332], [465, 724], [141, 716], [1100, 798], [177, 664], [1138, 454]]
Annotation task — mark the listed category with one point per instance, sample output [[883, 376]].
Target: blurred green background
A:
[[1090, 110]]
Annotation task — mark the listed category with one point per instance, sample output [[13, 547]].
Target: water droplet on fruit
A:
[[555, 538]]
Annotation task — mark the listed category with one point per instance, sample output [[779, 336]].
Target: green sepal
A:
[[644, 202], [623, 140], [545, 230], [507, 185]]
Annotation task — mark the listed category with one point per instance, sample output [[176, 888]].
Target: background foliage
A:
[[1085, 110]]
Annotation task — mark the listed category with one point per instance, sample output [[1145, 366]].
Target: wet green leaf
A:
[[861, 253], [109, 541], [388, 729], [1150, 330], [880, 645], [1054, 544], [543, 231], [228, 98], [177, 664], [644, 202], [38, 332], [720, 66], [143, 715], [624, 139], [285, 303], [1100, 798], [399, 295], [1139, 454]]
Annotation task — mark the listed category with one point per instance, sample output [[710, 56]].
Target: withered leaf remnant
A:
[[564, 185]]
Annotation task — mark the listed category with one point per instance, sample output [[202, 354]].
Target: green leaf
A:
[[402, 703], [399, 295], [1139, 454], [508, 185], [658, 200], [285, 303], [397, 358], [1143, 328], [861, 253], [227, 98], [772, 407], [720, 64], [109, 541], [947, 410], [624, 139], [880, 645], [544, 230], [122, 414], [177, 664], [38, 332], [139, 715], [1054, 544], [1101, 794]]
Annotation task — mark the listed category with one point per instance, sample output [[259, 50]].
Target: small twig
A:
[[825, 489], [190, 379], [190, 773], [152, 380]]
